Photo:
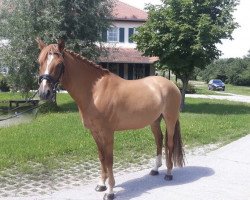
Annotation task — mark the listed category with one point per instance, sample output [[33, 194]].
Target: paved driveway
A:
[[223, 174]]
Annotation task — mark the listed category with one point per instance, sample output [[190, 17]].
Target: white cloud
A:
[[241, 43]]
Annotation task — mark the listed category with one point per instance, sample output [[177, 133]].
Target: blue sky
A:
[[230, 48]]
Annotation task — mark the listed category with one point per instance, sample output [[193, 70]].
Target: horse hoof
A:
[[109, 196], [168, 177], [154, 173], [100, 188]]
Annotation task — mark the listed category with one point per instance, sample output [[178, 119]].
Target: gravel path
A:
[[225, 96]]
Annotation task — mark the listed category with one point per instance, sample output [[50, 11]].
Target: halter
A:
[[53, 81]]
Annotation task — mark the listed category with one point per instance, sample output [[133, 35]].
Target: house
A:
[[122, 58]]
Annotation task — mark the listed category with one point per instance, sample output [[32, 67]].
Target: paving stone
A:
[[40, 181]]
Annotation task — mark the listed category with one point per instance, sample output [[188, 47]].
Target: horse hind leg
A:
[[156, 130], [173, 146]]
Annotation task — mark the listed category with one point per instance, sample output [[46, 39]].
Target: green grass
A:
[[241, 90], [59, 135], [10, 96], [212, 121]]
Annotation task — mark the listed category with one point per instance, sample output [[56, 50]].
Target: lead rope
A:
[[20, 113]]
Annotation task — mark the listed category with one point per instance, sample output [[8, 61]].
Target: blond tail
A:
[[178, 151]]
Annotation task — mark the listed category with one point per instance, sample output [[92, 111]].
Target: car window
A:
[[217, 81]]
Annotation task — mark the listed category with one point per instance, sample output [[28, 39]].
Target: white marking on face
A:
[[44, 83], [49, 60]]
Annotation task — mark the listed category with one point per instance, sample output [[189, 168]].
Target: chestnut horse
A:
[[108, 103]]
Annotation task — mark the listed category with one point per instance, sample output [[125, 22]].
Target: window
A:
[[131, 31], [112, 34]]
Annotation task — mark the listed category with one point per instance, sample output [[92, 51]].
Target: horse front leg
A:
[[108, 145], [101, 186], [105, 142]]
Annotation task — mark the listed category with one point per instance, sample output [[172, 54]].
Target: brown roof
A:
[[126, 55], [125, 12]]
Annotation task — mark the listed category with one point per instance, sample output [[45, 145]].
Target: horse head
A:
[[51, 68]]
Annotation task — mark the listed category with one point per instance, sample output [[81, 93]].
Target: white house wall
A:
[[126, 25]]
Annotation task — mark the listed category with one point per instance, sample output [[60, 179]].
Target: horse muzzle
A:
[[45, 91]]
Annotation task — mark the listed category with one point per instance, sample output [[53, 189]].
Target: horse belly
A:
[[137, 119]]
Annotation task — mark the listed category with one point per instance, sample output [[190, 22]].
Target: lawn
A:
[[202, 88], [241, 90], [59, 135]]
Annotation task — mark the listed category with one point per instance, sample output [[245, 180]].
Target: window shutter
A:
[[130, 33], [104, 35], [121, 34]]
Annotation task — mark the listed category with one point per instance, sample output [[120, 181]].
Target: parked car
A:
[[216, 84]]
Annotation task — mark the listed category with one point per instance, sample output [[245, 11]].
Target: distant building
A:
[[122, 57]]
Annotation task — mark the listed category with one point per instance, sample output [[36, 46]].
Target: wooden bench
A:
[[18, 102]]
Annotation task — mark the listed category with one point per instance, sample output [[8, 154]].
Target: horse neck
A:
[[79, 78]]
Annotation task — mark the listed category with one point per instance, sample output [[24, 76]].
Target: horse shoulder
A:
[[101, 108]]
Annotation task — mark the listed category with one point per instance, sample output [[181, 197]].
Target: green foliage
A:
[[83, 22], [3, 84], [234, 71], [22, 21], [184, 33]]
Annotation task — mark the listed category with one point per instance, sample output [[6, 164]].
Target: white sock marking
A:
[[158, 162]]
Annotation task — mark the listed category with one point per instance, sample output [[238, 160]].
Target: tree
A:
[[184, 34], [234, 71], [248, 54], [78, 22]]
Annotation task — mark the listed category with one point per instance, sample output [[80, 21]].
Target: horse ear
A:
[[61, 44], [40, 43]]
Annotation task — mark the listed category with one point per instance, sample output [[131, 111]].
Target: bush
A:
[[190, 88]]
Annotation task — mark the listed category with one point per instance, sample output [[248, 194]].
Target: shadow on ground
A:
[[137, 187]]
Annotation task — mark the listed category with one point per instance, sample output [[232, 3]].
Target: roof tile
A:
[[125, 12], [126, 55]]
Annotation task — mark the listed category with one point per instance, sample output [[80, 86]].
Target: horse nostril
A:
[[48, 94]]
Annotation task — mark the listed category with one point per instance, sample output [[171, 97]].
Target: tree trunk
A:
[[183, 92]]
